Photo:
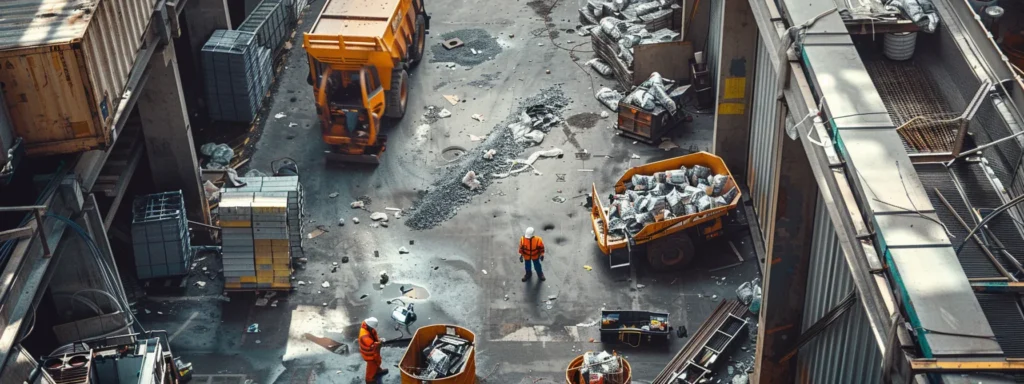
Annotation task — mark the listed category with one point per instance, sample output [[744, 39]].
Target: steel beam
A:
[[960, 365], [998, 286]]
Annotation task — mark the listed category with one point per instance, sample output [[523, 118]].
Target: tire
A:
[[398, 97], [671, 252], [419, 40]]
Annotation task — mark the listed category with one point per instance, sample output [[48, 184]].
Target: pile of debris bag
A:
[[445, 356], [617, 27], [666, 195], [653, 95], [602, 367]]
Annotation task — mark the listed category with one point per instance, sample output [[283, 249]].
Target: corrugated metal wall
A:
[[714, 47], [111, 45], [766, 133], [846, 351]]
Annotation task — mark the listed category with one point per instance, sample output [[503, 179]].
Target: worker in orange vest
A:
[[369, 347], [531, 251]]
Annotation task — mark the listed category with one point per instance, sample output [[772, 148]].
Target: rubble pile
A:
[[448, 193], [656, 94], [667, 195], [621, 25], [445, 357], [602, 367]]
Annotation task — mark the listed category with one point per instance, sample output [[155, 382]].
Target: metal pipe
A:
[[984, 249], [996, 212]]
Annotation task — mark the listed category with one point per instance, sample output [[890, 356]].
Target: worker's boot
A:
[[527, 277], [541, 276], [382, 372]]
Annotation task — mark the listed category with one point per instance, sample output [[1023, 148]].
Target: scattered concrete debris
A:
[[341, 221], [402, 250], [444, 113], [326, 285], [476, 138], [452, 99], [253, 328], [355, 220], [452, 43], [316, 233], [333, 195], [280, 115], [478, 117], [668, 145], [484, 271], [379, 216], [489, 155], [357, 204], [477, 39], [329, 344], [443, 198]]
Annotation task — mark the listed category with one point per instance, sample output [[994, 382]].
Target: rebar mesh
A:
[[927, 125]]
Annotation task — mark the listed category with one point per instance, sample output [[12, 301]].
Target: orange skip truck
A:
[[360, 52]]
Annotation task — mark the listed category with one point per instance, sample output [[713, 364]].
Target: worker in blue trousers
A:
[[531, 252]]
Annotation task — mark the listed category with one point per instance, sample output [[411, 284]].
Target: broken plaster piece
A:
[[451, 99], [444, 112], [478, 117]]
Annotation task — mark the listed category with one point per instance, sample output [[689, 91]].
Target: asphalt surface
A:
[[520, 338]]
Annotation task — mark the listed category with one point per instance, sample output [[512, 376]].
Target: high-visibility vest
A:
[[368, 343], [531, 248]]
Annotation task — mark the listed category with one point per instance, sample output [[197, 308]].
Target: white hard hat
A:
[[529, 232], [371, 322]]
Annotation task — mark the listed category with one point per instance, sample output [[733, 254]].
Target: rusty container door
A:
[[65, 65]]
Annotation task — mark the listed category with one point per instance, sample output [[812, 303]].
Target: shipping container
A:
[[65, 67]]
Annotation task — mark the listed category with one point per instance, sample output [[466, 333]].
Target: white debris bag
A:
[[609, 97], [718, 183], [600, 66], [470, 180]]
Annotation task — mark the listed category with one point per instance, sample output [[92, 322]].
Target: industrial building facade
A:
[[880, 289]]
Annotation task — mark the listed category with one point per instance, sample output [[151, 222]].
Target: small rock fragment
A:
[[333, 195], [489, 155], [357, 204], [402, 250], [326, 285], [478, 117], [355, 220], [444, 113], [379, 216], [605, 114], [341, 222]]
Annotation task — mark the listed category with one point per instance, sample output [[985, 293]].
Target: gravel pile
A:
[[486, 47], [446, 195]]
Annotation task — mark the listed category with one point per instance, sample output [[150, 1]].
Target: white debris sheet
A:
[[519, 165]]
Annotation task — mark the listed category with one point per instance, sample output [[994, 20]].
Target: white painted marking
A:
[[183, 326]]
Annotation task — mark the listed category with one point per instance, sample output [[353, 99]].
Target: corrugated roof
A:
[[30, 23]]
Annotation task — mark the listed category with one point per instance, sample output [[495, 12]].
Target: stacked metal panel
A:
[[237, 72], [237, 247], [289, 184], [269, 22], [270, 237], [160, 236]]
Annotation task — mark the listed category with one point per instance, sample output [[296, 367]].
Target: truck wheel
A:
[[419, 40], [671, 252], [398, 96]]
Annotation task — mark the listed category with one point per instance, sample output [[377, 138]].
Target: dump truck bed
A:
[[362, 18], [658, 229]]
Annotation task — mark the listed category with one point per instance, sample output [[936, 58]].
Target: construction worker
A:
[[531, 251], [369, 347]]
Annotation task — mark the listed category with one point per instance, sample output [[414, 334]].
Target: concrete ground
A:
[[466, 270]]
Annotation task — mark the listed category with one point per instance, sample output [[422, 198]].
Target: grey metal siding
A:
[[846, 351], [714, 47], [766, 132]]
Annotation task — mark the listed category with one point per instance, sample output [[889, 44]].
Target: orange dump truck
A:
[[360, 52], [663, 209]]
